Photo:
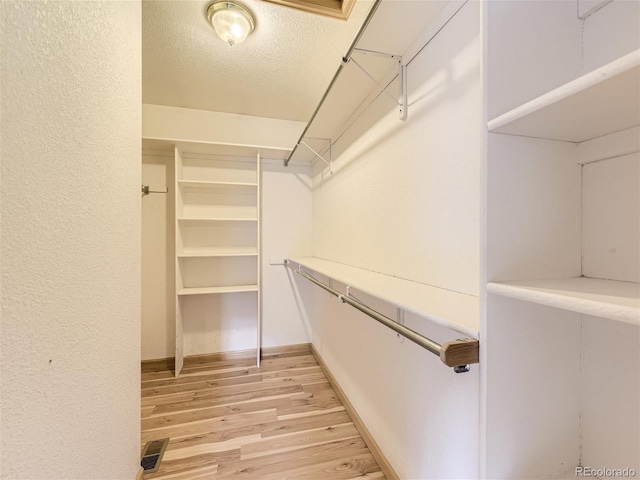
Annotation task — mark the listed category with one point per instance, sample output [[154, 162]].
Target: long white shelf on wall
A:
[[601, 102], [214, 290], [457, 311], [610, 299]]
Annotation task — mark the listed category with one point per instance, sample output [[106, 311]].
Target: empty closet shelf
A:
[[218, 253], [213, 290], [231, 186], [168, 145], [610, 299], [208, 222], [601, 102], [459, 312]]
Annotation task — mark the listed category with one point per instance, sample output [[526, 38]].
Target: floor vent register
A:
[[152, 455]]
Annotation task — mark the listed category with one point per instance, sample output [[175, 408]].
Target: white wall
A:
[[286, 231], [71, 122], [404, 200], [158, 261]]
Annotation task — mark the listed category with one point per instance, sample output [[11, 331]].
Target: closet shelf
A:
[[218, 253], [213, 290], [599, 103], [208, 222], [456, 311], [195, 184], [163, 145], [610, 299]]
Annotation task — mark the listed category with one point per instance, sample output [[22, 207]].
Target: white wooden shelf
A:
[[163, 145], [233, 186], [599, 103], [228, 252], [215, 290], [592, 296], [457, 311], [207, 222]]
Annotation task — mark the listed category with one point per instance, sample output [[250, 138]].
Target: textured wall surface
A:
[[71, 84]]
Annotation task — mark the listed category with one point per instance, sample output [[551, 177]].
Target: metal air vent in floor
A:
[[152, 455]]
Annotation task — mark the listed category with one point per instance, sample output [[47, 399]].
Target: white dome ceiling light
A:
[[232, 21]]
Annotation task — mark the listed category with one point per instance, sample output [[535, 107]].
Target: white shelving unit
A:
[[453, 310], [563, 268], [601, 103], [217, 229]]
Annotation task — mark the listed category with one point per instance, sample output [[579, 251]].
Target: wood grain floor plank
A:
[[234, 399], [298, 440], [227, 419], [255, 468], [217, 425], [163, 382], [355, 466]]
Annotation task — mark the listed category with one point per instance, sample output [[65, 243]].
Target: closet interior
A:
[[472, 173]]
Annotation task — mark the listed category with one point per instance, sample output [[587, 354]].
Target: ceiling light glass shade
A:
[[232, 21]]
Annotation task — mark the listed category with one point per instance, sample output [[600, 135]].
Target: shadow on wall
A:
[[428, 90]]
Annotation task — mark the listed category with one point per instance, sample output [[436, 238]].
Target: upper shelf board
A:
[[604, 101], [610, 299], [222, 149], [457, 311], [232, 186]]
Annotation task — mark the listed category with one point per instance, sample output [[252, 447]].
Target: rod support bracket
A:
[[462, 368]]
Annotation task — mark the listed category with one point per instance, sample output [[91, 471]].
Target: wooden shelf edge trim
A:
[[382, 461], [140, 474]]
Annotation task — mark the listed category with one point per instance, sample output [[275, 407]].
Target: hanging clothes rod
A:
[[458, 354], [345, 60]]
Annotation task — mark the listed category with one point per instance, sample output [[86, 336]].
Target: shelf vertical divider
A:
[[259, 259], [178, 247]]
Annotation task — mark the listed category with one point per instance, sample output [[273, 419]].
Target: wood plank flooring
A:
[[228, 420]]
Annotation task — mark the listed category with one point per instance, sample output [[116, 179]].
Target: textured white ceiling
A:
[[280, 71]]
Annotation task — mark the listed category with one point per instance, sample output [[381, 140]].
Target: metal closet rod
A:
[[344, 61], [458, 354]]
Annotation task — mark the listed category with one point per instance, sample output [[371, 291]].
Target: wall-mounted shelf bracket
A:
[[402, 72], [328, 162]]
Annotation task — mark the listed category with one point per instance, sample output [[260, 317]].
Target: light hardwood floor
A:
[[228, 419]]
